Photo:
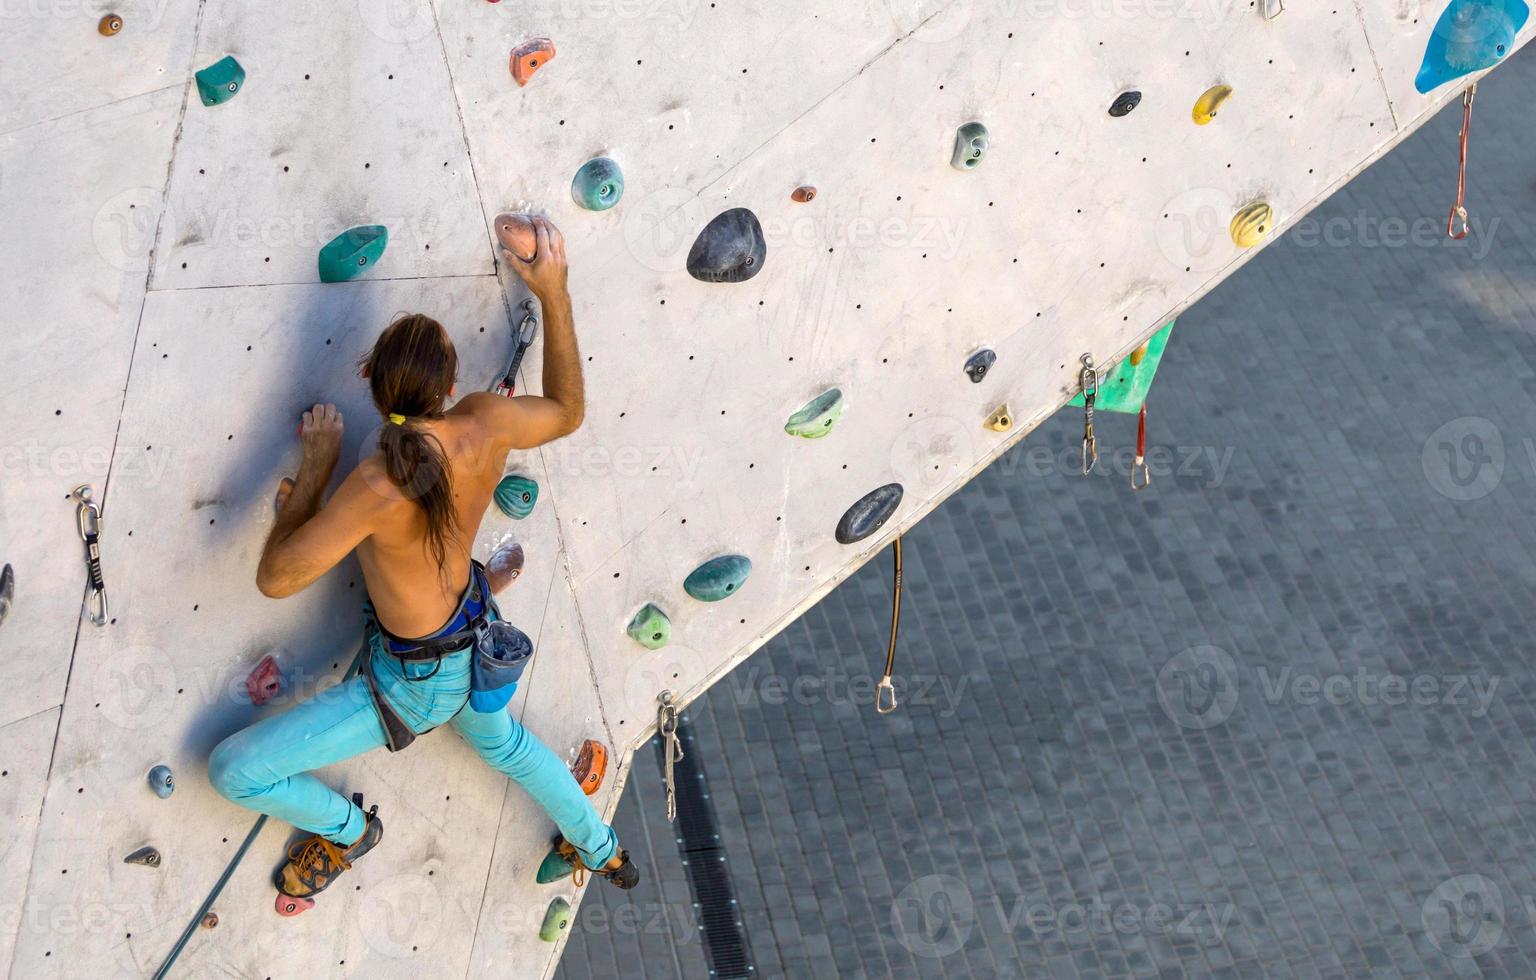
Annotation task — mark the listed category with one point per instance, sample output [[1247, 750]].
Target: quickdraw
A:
[[1088, 379], [88, 517], [1140, 466], [1456, 224], [666, 727], [885, 692], [525, 330]]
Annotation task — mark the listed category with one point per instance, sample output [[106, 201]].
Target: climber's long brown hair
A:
[[410, 371]]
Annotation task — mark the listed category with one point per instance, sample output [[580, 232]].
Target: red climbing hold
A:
[[803, 195], [516, 233], [529, 56], [591, 761], [265, 681], [289, 906]]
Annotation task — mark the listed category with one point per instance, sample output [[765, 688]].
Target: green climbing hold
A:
[[818, 416], [650, 628], [352, 252], [1125, 388], [971, 142], [220, 81], [598, 185], [553, 868], [516, 495], [557, 919], [718, 578]]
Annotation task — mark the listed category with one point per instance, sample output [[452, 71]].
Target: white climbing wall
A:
[[163, 326]]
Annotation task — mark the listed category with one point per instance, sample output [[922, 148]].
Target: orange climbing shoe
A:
[[315, 863]]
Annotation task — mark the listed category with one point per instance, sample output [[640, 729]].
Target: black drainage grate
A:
[[698, 842]]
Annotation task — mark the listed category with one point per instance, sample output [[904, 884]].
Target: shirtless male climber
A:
[[411, 512]]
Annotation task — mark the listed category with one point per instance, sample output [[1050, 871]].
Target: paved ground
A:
[[1271, 717]]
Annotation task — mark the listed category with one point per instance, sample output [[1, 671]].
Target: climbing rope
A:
[[1140, 466], [1456, 224], [666, 727], [1088, 379], [885, 693], [88, 517]]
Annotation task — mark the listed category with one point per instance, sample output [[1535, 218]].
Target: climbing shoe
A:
[[563, 860], [315, 863]]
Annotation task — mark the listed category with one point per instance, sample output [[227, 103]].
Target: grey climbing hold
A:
[[979, 363], [147, 856], [731, 248], [650, 627], [162, 781], [869, 513], [1124, 103], [817, 417], [971, 142], [7, 591]]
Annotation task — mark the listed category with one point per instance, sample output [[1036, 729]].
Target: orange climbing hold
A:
[[516, 233], [591, 762], [109, 25], [804, 195], [529, 57]]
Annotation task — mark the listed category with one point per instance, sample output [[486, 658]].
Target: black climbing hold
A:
[[979, 363], [729, 249], [1124, 103], [147, 856], [869, 513], [7, 591]]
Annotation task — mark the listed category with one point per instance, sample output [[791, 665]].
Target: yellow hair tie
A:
[[397, 418]]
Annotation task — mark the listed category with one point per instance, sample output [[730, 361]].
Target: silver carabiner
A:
[[666, 727], [88, 519], [1088, 380]]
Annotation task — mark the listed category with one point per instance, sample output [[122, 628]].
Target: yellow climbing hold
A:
[[1001, 419], [1251, 223], [1209, 102]]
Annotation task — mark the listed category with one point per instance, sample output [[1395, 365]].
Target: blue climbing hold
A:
[[1469, 36], [220, 81], [516, 495], [162, 782]]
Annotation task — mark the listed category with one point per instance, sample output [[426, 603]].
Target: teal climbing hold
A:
[[352, 253], [220, 81], [650, 628], [516, 495], [1125, 388], [971, 142], [598, 185], [818, 416], [1469, 36], [719, 578], [553, 868], [557, 919]]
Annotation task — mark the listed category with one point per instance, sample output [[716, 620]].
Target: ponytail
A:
[[411, 370]]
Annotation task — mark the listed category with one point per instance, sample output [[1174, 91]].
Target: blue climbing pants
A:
[[265, 767]]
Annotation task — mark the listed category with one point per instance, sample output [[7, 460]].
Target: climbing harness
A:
[[1141, 452], [1088, 379], [525, 331], [1456, 224], [666, 727], [885, 693], [1271, 8], [88, 517]]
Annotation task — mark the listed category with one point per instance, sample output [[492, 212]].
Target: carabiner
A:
[[666, 728], [1088, 380], [885, 696], [1456, 224]]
